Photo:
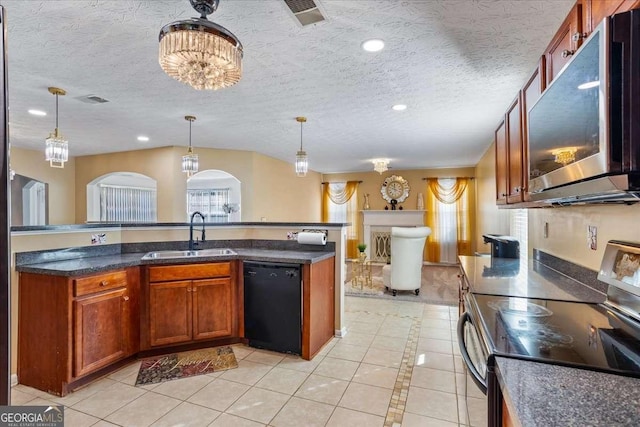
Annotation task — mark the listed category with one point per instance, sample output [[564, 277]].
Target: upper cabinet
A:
[[565, 43], [512, 171], [596, 10]]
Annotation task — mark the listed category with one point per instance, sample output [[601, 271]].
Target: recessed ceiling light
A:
[[373, 45], [399, 107], [143, 138], [38, 112]]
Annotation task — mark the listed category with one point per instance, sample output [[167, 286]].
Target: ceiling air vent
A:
[[306, 12], [92, 99]]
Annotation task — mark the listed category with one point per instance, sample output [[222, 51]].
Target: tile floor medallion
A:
[[397, 366]]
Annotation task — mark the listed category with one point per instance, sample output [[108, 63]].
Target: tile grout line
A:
[[401, 389]]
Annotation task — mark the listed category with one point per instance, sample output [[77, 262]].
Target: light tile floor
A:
[[398, 365]]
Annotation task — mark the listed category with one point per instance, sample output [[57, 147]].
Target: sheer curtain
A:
[[340, 204], [448, 215]]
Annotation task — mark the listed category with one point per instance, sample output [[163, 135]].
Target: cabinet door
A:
[[100, 330], [212, 308], [502, 171], [531, 91], [514, 144], [564, 44], [169, 312], [597, 10]]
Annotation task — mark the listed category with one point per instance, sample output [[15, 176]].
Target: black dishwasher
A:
[[273, 306]]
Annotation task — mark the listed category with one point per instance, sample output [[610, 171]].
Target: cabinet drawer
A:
[[189, 271], [99, 282]]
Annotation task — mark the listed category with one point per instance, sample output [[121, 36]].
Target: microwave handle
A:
[[475, 375]]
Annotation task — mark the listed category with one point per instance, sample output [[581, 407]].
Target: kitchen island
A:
[[107, 305]]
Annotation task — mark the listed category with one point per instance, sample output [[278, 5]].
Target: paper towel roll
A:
[[306, 238]]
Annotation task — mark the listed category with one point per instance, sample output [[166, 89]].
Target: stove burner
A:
[[519, 307]]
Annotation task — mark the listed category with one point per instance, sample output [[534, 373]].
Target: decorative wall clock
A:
[[395, 188]]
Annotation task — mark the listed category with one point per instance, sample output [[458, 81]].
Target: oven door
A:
[[473, 352]]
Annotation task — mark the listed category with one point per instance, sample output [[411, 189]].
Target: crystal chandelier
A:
[[56, 150], [565, 156], [302, 160], [190, 160], [380, 165], [200, 53]]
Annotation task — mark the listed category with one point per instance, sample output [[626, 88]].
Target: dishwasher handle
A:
[[475, 375]]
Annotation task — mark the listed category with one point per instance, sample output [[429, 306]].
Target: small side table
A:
[[362, 272]]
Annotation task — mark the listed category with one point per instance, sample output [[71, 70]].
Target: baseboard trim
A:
[[14, 379], [341, 333]]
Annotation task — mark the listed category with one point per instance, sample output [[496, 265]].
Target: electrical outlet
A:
[[592, 237]]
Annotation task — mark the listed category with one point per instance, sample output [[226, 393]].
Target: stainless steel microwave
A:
[[584, 131]]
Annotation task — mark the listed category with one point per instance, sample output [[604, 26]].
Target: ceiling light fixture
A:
[[373, 45], [56, 147], [565, 156], [37, 113], [143, 138], [200, 53], [380, 165], [190, 160], [399, 107], [302, 160]]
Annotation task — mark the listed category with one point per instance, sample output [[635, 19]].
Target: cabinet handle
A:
[[577, 36], [188, 289], [104, 283], [567, 53], [194, 289], [126, 298], [503, 195], [517, 189]]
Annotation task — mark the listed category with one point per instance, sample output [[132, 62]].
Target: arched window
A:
[[122, 197], [215, 194]]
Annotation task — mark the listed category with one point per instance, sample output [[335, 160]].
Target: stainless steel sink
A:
[[189, 254]]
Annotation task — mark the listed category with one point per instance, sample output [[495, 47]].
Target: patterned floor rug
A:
[[186, 364], [439, 285]]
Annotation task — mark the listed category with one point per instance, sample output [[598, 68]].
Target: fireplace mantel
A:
[[383, 220]]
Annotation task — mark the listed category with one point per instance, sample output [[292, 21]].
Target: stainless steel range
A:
[[603, 337]]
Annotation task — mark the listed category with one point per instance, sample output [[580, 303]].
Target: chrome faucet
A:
[[192, 244]]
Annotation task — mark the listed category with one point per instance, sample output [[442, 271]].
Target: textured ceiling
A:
[[456, 63]]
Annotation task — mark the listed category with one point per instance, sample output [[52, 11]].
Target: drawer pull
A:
[[104, 283], [126, 298]]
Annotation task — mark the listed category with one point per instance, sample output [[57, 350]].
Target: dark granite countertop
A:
[[94, 264], [541, 394], [524, 278]]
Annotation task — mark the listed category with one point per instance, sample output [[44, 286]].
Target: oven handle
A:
[[475, 375]]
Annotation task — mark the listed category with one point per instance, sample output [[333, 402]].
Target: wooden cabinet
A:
[[564, 44], [513, 120], [71, 327], [318, 306], [201, 306], [502, 163], [511, 144], [596, 10]]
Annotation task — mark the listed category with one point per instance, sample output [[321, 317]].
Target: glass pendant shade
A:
[[302, 163], [56, 150], [302, 160], [190, 160], [199, 52]]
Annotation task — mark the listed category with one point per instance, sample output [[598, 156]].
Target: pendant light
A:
[[56, 147], [201, 53], [302, 160], [190, 160]]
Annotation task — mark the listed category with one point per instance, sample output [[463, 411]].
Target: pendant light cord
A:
[[301, 136], [190, 121], [56, 111]]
